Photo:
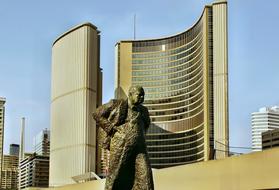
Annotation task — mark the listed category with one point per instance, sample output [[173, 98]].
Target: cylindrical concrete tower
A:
[[75, 94]]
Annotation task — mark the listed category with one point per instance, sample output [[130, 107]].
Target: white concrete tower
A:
[[21, 148], [75, 94], [22, 139]]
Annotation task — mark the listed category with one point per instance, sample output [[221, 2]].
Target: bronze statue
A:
[[125, 123]]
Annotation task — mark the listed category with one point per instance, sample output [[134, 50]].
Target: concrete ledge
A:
[[259, 170]]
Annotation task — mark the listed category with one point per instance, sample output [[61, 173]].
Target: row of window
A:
[[181, 96], [179, 147], [186, 74], [176, 154], [162, 83], [188, 79], [170, 135], [170, 43], [185, 47], [195, 58], [178, 116], [184, 103], [186, 56], [160, 165], [170, 78], [184, 68], [174, 93], [189, 87], [181, 144], [186, 85], [185, 158], [187, 108], [162, 69]]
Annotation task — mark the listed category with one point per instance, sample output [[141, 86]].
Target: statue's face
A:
[[137, 97]]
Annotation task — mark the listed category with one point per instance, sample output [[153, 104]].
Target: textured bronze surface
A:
[[125, 123]]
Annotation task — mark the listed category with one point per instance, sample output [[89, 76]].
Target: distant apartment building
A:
[[9, 172], [41, 143], [34, 171], [270, 139], [76, 91], [14, 149], [34, 168], [265, 119], [185, 78], [2, 118]]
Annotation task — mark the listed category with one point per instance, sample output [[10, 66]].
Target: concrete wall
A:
[[252, 171], [220, 78], [259, 170]]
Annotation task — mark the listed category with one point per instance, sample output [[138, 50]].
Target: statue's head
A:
[[136, 95]]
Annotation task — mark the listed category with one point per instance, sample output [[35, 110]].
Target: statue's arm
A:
[[102, 114]]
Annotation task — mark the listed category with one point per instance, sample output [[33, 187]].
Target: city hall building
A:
[[185, 78], [76, 91]]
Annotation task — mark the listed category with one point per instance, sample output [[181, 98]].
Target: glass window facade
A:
[[177, 75], [173, 79]]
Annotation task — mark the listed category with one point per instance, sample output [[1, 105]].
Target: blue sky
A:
[[28, 29]]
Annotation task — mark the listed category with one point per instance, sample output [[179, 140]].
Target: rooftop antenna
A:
[[135, 26]]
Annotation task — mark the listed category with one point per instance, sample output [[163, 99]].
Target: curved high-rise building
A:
[[185, 79], [75, 93]]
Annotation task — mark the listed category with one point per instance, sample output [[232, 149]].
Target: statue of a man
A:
[[125, 123]]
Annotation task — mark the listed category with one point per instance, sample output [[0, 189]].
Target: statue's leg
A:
[[112, 171], [126, 172], [116, 149], [121, 168], [143, 176]]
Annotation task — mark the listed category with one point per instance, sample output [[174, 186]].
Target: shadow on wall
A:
[[154, 128], [119, 93]]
